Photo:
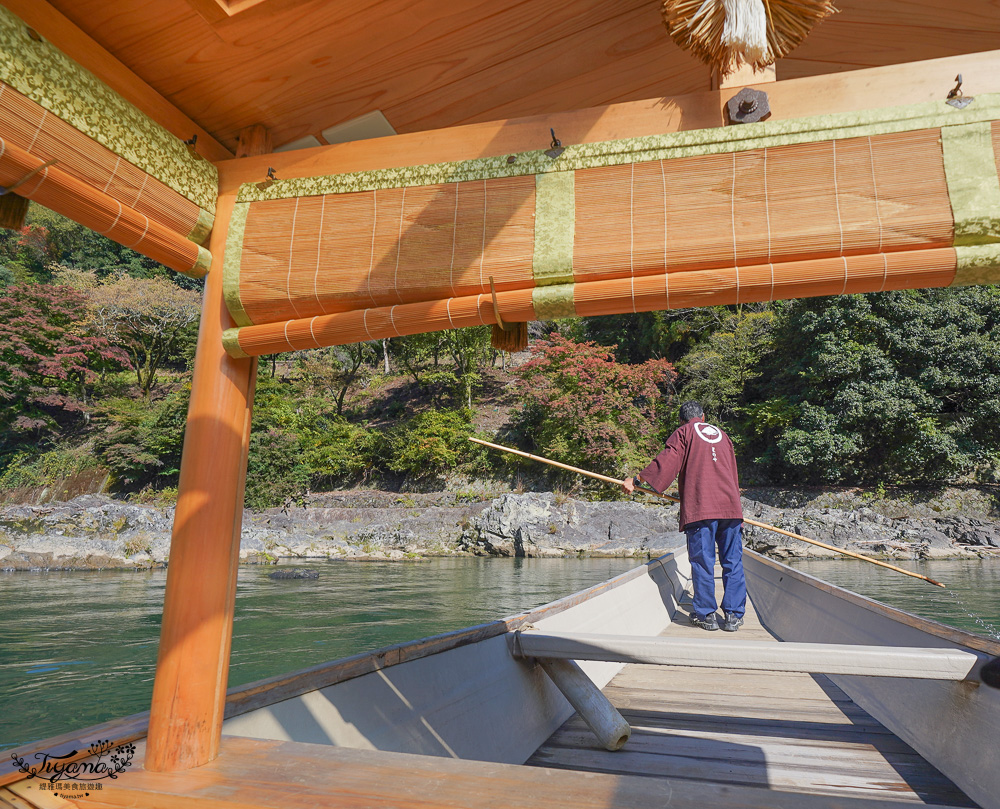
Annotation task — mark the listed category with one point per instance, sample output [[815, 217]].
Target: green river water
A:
[[78, 648]]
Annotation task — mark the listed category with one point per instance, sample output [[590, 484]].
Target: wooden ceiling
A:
[[300, 66]]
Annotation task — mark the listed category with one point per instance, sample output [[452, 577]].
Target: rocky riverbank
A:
[[95, 532]]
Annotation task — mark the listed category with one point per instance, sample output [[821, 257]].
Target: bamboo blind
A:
[[831, 217], [38, 132], [832, 198], [995, 131], [674, 290], [65, 193], [337, 252]]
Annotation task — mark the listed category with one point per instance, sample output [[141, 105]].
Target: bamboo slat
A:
[[996, 143], [338, 252], [785, 204]]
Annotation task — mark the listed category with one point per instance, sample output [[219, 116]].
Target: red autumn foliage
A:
[[47, 356], [584, 408]]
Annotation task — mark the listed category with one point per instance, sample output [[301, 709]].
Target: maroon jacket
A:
[[701, 457]]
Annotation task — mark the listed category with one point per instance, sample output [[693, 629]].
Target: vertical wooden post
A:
[[742, 77], [254, 140], [192, 668]]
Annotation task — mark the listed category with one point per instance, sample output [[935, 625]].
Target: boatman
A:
[[700, 456]]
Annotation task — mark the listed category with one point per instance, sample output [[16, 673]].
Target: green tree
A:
[[335, 369], [141, 443], [446, 362], [894, 386], [717, 371], [147, 317]]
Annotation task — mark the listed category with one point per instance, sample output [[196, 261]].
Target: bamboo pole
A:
[[616, 482]]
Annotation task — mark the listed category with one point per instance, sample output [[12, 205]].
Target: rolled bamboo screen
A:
[[834, 216], [41, 134], [75, 145], [55, 188]]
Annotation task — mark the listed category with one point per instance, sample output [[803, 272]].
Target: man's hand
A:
[[629, 485]]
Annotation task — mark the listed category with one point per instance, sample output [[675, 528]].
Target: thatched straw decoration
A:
[[13, 210], [700, 26], [512, 339]]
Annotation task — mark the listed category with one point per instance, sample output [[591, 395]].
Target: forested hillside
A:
[[96, 345]]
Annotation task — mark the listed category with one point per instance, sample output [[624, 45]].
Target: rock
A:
[[294, 573], [542, 524], [95, 531]]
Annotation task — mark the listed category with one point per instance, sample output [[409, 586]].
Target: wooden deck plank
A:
[[781, 731], [291, 775]]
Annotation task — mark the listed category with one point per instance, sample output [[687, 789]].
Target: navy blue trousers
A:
[[702, 538]]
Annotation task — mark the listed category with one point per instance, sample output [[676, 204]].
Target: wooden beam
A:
[[793, 98], [750, 655], [192, 670], [79, 46]]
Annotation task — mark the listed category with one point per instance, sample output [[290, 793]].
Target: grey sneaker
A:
[[709, 622], [733, 622]]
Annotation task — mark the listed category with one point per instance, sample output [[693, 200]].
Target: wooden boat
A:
[[142, 121], [860, 705]]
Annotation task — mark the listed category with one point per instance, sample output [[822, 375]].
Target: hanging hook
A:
[[956, 98], [268, 181], [555, 148]]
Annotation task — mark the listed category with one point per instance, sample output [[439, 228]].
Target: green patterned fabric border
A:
[[971, 171], [555, 220], [202, 265], [231, 264], [977, 264], [553, 302], [202, 227], [717, 140], [50, 78], [231, 342]]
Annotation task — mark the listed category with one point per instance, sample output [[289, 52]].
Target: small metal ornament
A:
[[955, 97], [555, 148], [748, 106], [268, 180]]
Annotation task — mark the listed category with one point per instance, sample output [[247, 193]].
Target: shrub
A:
[[335, 451], [142, 444], [429, 444], [584, 408], [28, 470], [275, 470]]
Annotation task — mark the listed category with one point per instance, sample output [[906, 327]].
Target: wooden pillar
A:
[[192, 668], [254, 140], [742, 77]]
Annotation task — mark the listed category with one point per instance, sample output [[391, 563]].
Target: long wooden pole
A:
[[616, 482]]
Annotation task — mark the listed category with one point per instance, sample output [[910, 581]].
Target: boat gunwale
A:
[[258, 694], [949, 633]]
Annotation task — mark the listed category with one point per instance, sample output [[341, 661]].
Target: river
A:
[[78, 648]]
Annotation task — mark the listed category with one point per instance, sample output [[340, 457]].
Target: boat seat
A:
[[811, 658]]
